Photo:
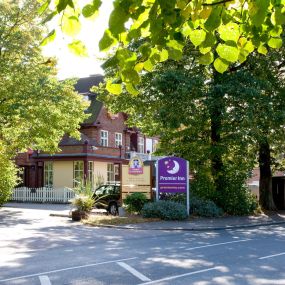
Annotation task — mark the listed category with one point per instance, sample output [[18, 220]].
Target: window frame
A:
[[118, 142], [141, 142], [48, 174], [104, 138], [80, 170]]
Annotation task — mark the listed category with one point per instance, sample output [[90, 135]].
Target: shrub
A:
[[8, 179], [204, 208], [135, 202], [240, 202], [83, 203], [166, 210]]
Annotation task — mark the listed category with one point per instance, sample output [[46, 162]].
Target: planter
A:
[[77, 215]]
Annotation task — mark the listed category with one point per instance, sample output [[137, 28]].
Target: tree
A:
[[219, 122], [224, 32], [36, 109]]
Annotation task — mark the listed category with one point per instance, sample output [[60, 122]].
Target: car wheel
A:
[[113, 209]]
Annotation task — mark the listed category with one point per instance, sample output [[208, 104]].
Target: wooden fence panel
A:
[[42, 195]]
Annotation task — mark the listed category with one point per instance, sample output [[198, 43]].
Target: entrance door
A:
[[278, 189]]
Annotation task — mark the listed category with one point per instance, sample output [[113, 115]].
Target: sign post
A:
[[172, 176]]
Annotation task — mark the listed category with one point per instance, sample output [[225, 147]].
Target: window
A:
[[118, 139], [78, 172], [48, 174], [104, 138], [110, 173], [154, 146], [140, 145], [90, 175]]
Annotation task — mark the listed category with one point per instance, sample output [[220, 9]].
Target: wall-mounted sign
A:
[[172, 176], [136, 165]]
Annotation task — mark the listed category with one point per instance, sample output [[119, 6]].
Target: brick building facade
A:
[[105, 144]]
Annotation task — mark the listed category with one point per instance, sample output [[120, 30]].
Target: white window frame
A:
[[118, 139], [140, 144], [110, 173], [90, 172], [154, 145], [104, 138], [78, 172], [48, 174]]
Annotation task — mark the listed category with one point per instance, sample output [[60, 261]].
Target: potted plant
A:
[[83, 201]]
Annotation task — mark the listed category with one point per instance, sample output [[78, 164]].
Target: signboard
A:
[[139, 182], [136, 166], [172, 176]]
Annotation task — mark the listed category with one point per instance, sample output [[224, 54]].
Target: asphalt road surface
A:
[[41, 250]]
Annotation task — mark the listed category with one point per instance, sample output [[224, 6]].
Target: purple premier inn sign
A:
[[172, 176]]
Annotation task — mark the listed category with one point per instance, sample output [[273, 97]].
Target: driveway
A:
[[37, 249]]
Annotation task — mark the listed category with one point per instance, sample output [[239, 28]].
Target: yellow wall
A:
[[62, 174], [100, 168]]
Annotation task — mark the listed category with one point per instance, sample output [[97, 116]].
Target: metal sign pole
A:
[[188, 190], [156, 186]]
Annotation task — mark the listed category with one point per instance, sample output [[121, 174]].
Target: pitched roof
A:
[[83, 87], [67, 140]]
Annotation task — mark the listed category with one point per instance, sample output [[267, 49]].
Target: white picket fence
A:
[[42, 195]]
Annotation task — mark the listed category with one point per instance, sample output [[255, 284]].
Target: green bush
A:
[[83, 203], [135, 202], [8, 179], [240, 202], [204, 208], [166, 210]]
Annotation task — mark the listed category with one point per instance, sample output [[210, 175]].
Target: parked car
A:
[[108, 197]]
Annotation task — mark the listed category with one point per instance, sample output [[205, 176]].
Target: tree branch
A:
[[217, 3]]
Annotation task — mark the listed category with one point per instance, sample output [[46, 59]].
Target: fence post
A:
[[44, 194], [64, 195], [25, 194]]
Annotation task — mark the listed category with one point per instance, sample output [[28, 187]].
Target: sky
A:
[[70, 65]]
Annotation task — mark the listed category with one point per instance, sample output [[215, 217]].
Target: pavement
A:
[[193, 224]]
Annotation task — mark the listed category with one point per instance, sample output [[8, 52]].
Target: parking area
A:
[[37, 249]]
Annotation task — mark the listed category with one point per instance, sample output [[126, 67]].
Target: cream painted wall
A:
[[100, 168], [62, 174]]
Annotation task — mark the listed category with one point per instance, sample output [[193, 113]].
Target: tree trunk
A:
[[216, 108], [265, 180]]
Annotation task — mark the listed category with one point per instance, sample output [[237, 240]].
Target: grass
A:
[[116, 221]]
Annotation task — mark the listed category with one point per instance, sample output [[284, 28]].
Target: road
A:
[[42, 250]]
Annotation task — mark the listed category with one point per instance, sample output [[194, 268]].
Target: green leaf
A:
[[229, 32], [115, 89], [278, 17], [117, 21], [71, 25], [227, 52], [44, 7], [97, 4], [258, 10], [197, 37], [221, 65], [49, 17], [131, 89], [275, 43], [49, 38], [214, 20], [206, 59], [130, 76], [78, 48], [88, 10], [148, 66], [62, 4], [107, 41], [262, 49], [163, 55]]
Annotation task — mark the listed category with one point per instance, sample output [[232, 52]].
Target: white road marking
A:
[[273, 255], [44, 280], [179, 276], [134, 271], [217, 244], [65, 269]]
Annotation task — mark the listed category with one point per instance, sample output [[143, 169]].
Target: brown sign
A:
[[141, 182]]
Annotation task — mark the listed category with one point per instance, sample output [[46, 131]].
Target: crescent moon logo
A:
[[175, 169]]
